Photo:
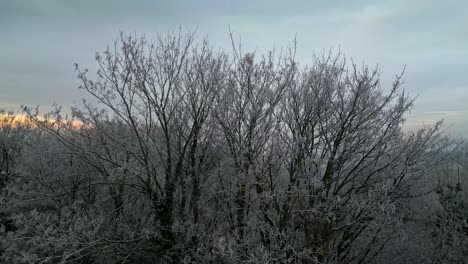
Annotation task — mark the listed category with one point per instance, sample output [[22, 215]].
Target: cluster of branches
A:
[[186, 154]]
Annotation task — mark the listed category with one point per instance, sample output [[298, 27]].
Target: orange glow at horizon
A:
[[14, 119]]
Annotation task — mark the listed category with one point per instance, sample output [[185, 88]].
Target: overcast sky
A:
[[41, 39]]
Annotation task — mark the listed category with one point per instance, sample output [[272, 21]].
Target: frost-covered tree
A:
[[188, 155]]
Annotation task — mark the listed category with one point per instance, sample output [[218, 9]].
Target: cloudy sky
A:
[[41, 39]]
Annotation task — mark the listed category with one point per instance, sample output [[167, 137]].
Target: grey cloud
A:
[[43, 38]]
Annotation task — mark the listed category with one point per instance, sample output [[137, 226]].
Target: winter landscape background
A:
[[216, 132]]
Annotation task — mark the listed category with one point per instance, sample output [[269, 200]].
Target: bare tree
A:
[[189, 155]]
